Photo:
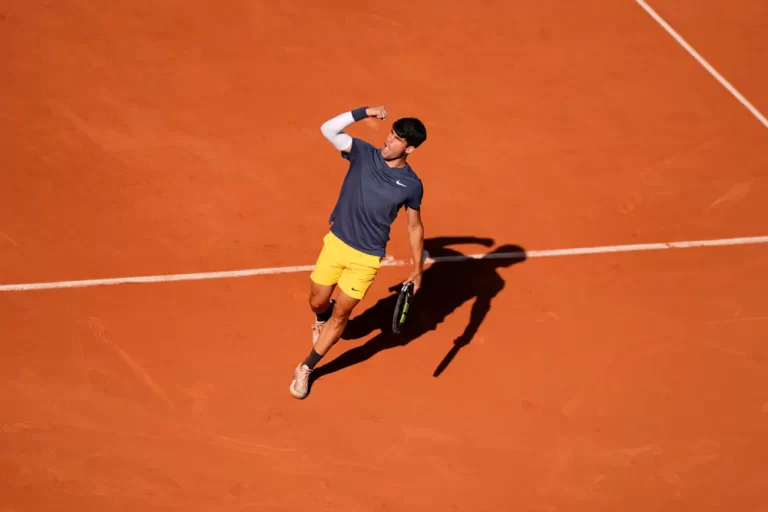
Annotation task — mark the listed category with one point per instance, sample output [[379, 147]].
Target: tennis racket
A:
[[401, 308]]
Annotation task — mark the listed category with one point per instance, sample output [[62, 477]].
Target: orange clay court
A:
[[165, 138]]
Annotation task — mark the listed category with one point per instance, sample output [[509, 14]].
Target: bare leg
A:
[[320, 297], [329, 335], [335, 326], [320, 302]]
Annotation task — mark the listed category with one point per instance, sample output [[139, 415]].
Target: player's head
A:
[[407, 134]]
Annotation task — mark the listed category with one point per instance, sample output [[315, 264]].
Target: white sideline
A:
[[309, 268], [703, 62]]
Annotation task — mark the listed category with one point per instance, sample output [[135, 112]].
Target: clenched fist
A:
[[379, 112]]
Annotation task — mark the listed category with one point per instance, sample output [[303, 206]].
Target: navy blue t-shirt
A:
[[370, 198]]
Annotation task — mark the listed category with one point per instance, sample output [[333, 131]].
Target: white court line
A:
[[397, 263], [703, 62]]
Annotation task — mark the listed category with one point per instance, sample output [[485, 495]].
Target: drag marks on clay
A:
[[684, 157], [14, 428], [581, 457], [547, 316], [246, 446], [748, 349], [578, 466], [9, 239], [98, 330], [200, 397], [429, 434], [736, 193], [353, 464], [604, 375], [738, 319], [744, 356]]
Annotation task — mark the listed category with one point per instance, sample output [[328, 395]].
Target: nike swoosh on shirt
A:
[[398, 182]]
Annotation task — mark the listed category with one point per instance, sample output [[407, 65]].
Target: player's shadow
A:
[[446, 285]]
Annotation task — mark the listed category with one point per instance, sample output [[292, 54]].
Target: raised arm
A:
[[333, 129]]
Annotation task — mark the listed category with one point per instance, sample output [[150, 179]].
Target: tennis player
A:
[[378, 183]]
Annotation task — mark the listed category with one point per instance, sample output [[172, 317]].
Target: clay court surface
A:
[[156, 138]]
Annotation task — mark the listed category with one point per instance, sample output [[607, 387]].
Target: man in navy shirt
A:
[[378, 183]]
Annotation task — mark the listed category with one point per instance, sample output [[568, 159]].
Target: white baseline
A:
[[308, 268]]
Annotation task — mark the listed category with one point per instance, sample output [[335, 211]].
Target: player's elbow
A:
[[339, 140], [331, 129], [416, 227], [327, 130]]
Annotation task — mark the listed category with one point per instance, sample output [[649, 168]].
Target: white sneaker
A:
[[300, 385], [317, 327]]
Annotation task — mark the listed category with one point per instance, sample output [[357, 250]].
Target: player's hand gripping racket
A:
[[401, 308]]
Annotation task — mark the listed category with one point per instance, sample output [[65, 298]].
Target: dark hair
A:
[[410, 129]]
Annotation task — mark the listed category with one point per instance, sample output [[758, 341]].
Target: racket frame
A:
[[401, 308]]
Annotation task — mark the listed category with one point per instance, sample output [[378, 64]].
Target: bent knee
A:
[[340, 316], [318, 303], [319, 298]]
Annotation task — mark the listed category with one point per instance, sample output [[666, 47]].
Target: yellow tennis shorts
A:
[[352, 270]]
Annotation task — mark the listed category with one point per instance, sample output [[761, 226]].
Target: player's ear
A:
[[409, 150]]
